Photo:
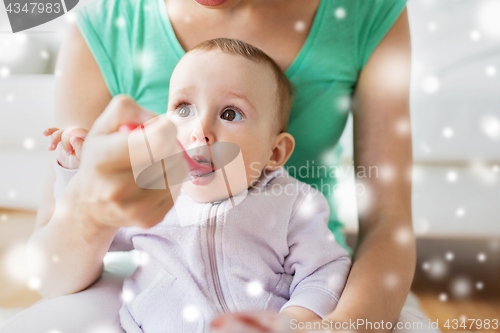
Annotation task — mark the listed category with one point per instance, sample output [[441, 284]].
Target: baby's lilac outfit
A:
[[271, 251]]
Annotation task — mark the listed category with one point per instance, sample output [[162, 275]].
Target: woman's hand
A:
[[104, 193], [252, 322], [68, 145], [292, 319]]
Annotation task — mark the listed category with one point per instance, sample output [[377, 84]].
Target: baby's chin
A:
[[217, 186]]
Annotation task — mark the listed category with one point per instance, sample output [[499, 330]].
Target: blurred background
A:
[[455, 112]]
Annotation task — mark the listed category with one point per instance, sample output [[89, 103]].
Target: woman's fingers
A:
[[120, 111], [250, 322], [141, 148]]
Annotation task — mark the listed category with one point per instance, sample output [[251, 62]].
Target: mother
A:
[[333, 51]]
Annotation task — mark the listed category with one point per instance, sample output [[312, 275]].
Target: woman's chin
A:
[[217, 4]]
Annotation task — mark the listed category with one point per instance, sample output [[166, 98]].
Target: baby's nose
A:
[[199, 135]]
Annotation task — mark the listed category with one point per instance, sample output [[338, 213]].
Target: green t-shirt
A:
[[136, 49]]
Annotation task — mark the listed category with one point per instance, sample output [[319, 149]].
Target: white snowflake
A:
[[443, 297], [4, 71], [437, 269], [421, 225], [387, 173], [16, 264], [44, 54], [481, 257], [29, 143], [449, 256], [452, 176], [34, 283], [460, 212], [120, 22], [300, 26], [430, 84], [403, 127], [475, 35], [391, 281], [344, 103], [127, 296], [340, 13], [461, 287], [70, 17], [448, 132], [490, 125], [404, 236], [487, 17], [491, 70], [254, 288], [191, 313]]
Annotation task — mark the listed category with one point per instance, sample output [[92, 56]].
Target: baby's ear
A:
[[283, 146]]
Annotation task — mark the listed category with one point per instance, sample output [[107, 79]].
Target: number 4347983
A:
[[34, 7], [472, 324]]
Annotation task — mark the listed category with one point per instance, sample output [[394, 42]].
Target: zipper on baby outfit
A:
[[212, 224]]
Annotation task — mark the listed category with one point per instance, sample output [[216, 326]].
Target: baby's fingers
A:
[[49, 131], [55, 139], [69, 133], [77, 144]]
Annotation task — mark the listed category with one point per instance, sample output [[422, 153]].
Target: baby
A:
[[269, 250]]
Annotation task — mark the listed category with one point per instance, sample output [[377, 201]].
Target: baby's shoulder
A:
[[279, 184]]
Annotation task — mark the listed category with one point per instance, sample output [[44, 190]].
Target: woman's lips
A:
[[211, 3]]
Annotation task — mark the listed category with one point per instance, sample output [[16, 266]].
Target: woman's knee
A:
[[91, 309], [413, 320]]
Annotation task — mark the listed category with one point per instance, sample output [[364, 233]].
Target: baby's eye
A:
[[231, 115], [184, 111]]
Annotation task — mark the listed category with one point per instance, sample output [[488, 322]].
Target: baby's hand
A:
[[68, 145]]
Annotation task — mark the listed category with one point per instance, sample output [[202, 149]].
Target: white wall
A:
[[466, 103]]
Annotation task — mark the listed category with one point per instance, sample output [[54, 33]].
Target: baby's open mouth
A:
[[201, 168]]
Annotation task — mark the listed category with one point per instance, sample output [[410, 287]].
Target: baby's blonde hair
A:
[[285, 87]]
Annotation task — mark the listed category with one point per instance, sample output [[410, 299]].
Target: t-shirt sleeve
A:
[[105, 27], [374, 18]]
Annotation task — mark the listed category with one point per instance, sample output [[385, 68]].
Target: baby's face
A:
[[223, 98]]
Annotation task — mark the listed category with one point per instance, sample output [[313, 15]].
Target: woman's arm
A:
[[71, 239], [81, 96], [385, 255]]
